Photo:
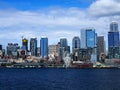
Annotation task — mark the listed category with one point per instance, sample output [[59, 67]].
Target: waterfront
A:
[[59, 79]]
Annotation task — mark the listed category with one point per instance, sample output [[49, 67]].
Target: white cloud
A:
[[105, 8], [56, 22]]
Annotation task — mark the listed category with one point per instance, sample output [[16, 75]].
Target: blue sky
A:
[[55, 18], [39, 4]]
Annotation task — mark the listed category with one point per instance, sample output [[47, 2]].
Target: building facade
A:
[[88, 42], [100, 46], [33, 46], [24, 44], [88, 38], [76, 48], [83, 38], [12, 49], [63, 48], [113, 41], [44, 47], [53, 50], [76, 43], [63, 42], [0, 47], [114, 27]]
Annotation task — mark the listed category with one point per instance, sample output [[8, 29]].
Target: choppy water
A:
[[59, 79]]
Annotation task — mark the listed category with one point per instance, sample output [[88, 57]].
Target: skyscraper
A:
[[100, 46], [33, 46], [63, 42], [83, 38], [113, 41], [88, 41], [0, 47], [88, 38], [44, 47], [12, 49], [76, 48], [76, 42], [63, 47], [25, 44], [114, 27], [53, 50]]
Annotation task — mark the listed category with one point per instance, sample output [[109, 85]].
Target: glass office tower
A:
[[44, 47], [33, 46]]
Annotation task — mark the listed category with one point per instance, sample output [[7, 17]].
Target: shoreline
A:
[[61, 67]]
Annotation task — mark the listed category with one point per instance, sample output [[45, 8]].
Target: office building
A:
[[76, 43], [33, 46], [12, 49], [68, 49], [88, 42], [53, 50], [38, 51], [76, 48], [100, 46], [44, 47], [114, 27], [63, 48], [1, 47], [24, 44], [88, 38], [63, 42], [113, 41]]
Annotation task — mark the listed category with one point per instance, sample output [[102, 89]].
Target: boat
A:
[[80, 64]]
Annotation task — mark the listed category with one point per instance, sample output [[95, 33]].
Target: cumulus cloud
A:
[[57, 22], [105, 8]]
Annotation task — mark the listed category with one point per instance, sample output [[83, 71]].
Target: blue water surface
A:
[[59, 79]]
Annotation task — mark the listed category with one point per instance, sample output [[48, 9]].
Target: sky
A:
[[55, 19]]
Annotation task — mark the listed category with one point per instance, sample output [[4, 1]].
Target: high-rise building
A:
[[76, 48], [44, 47], [53, 50], [63, 42], [88, 41], [88, 38], [38, 51], [113, 41], [76, 43], [33, 46], [63, 48], [100, 46], [12, 49], [25, 44], [0, 47], [83, 38], [68, 49], [114, 27]]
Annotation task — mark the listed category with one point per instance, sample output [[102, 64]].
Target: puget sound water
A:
[[59, 79]]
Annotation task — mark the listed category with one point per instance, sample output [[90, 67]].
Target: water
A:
[[59, 79]]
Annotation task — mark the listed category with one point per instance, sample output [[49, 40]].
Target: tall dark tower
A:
[[114, 27], [33, 46], [0, 47], [113, 41], [76, 43], [44, 47], [76, 48]]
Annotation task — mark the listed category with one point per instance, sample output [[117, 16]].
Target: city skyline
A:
[[54, 19]]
